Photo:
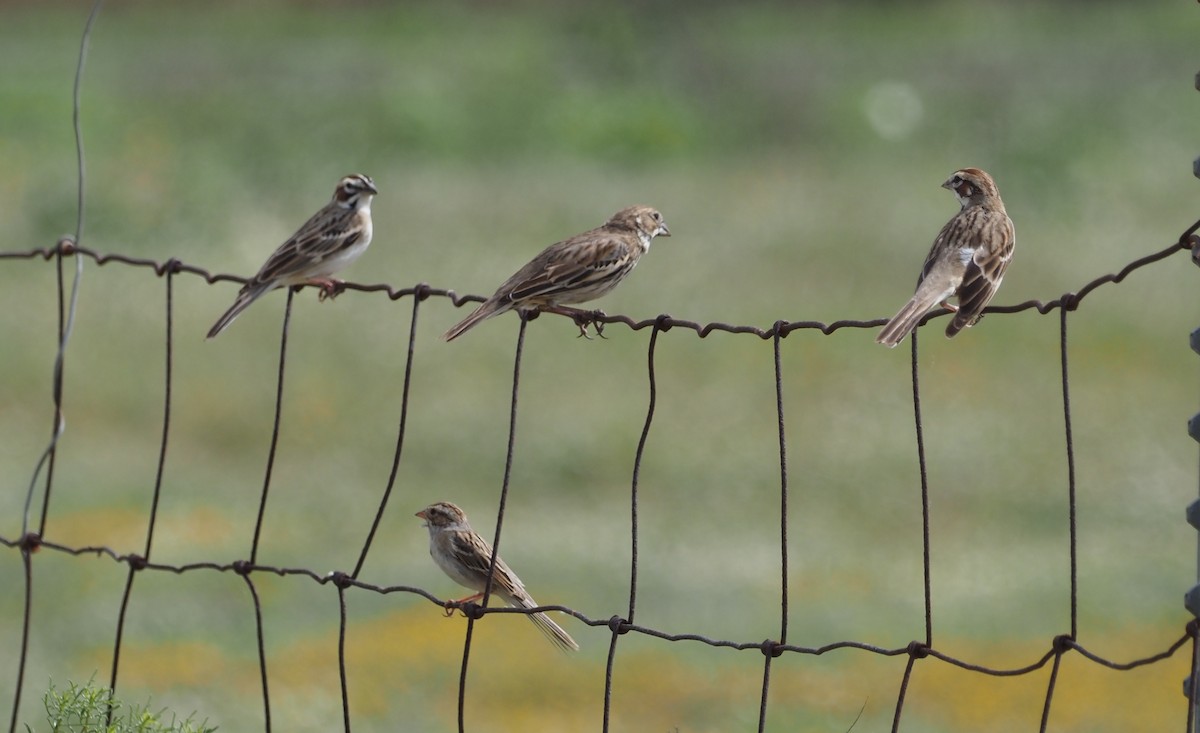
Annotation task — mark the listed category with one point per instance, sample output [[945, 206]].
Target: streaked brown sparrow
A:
[[575, 270], [465, 556], [334, 237], [967, 260]]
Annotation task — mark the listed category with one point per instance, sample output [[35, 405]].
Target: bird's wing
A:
[[587, 262], [985, 270], [324, 235], [475, 554]]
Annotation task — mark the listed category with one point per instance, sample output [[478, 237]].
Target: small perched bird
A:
[[967, 260], [334, 237], [465, 556], [575, 270]]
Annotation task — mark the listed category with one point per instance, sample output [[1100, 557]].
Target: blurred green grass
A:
[[796, 152]]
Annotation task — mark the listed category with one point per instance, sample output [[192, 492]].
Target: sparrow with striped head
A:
[[465, 556], [575, 270], [333, 238], [967, 260]]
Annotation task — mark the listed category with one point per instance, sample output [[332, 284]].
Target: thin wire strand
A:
[[783, 491], [925, 543], [769, 647], [908, 670], [341, 589], [1050, 687], [491, 576], [65, 330], [262, 649], [1070, 446], [616, 624], [64, 335], [762, 698], [391, 482], [262, 502], [26, 618], [635, 482], [159, 471]]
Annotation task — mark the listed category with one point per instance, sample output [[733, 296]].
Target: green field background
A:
[[795, 150]]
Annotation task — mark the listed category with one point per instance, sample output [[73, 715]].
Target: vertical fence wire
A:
[[903, 693], [66, 324], [26, 619], [49, 458], [341, 589], [617, 625], [471, 612], [771, 649], [139, 563], [783, 485], [766, 686], [1051, 685], [391, 482], [920, 430], [244, 569], [1070, 447], [262, 502]]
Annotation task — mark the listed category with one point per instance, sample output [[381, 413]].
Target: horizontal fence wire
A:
[[422, 291], [619, 625], [31, 540]]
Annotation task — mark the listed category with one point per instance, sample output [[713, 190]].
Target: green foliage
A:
[[83, 709]]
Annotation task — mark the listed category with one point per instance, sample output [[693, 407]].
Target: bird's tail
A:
[[482, 313], [551, 630], [245, 297], [907, 318], [961, 320]]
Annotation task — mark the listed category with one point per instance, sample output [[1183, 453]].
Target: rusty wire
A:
[[1070, 301]]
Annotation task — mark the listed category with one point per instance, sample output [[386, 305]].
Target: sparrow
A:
[[465, 556], [575, 270], [967, 260], [333, 238]]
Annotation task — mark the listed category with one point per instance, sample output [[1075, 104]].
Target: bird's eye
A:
[[657, 216]]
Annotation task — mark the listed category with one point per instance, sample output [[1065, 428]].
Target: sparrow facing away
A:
[[968, 259], [575, 270], [463, 555], [333, 238]]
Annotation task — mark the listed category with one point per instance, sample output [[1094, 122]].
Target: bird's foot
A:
[[583, 319], [330, 288], [451, 606]]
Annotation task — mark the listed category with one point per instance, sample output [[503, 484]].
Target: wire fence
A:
[[69, 254], [31, 540]]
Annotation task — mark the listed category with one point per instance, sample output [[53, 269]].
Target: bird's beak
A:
[[663, 231], [421, 514], [948, 185], [372, 189]]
